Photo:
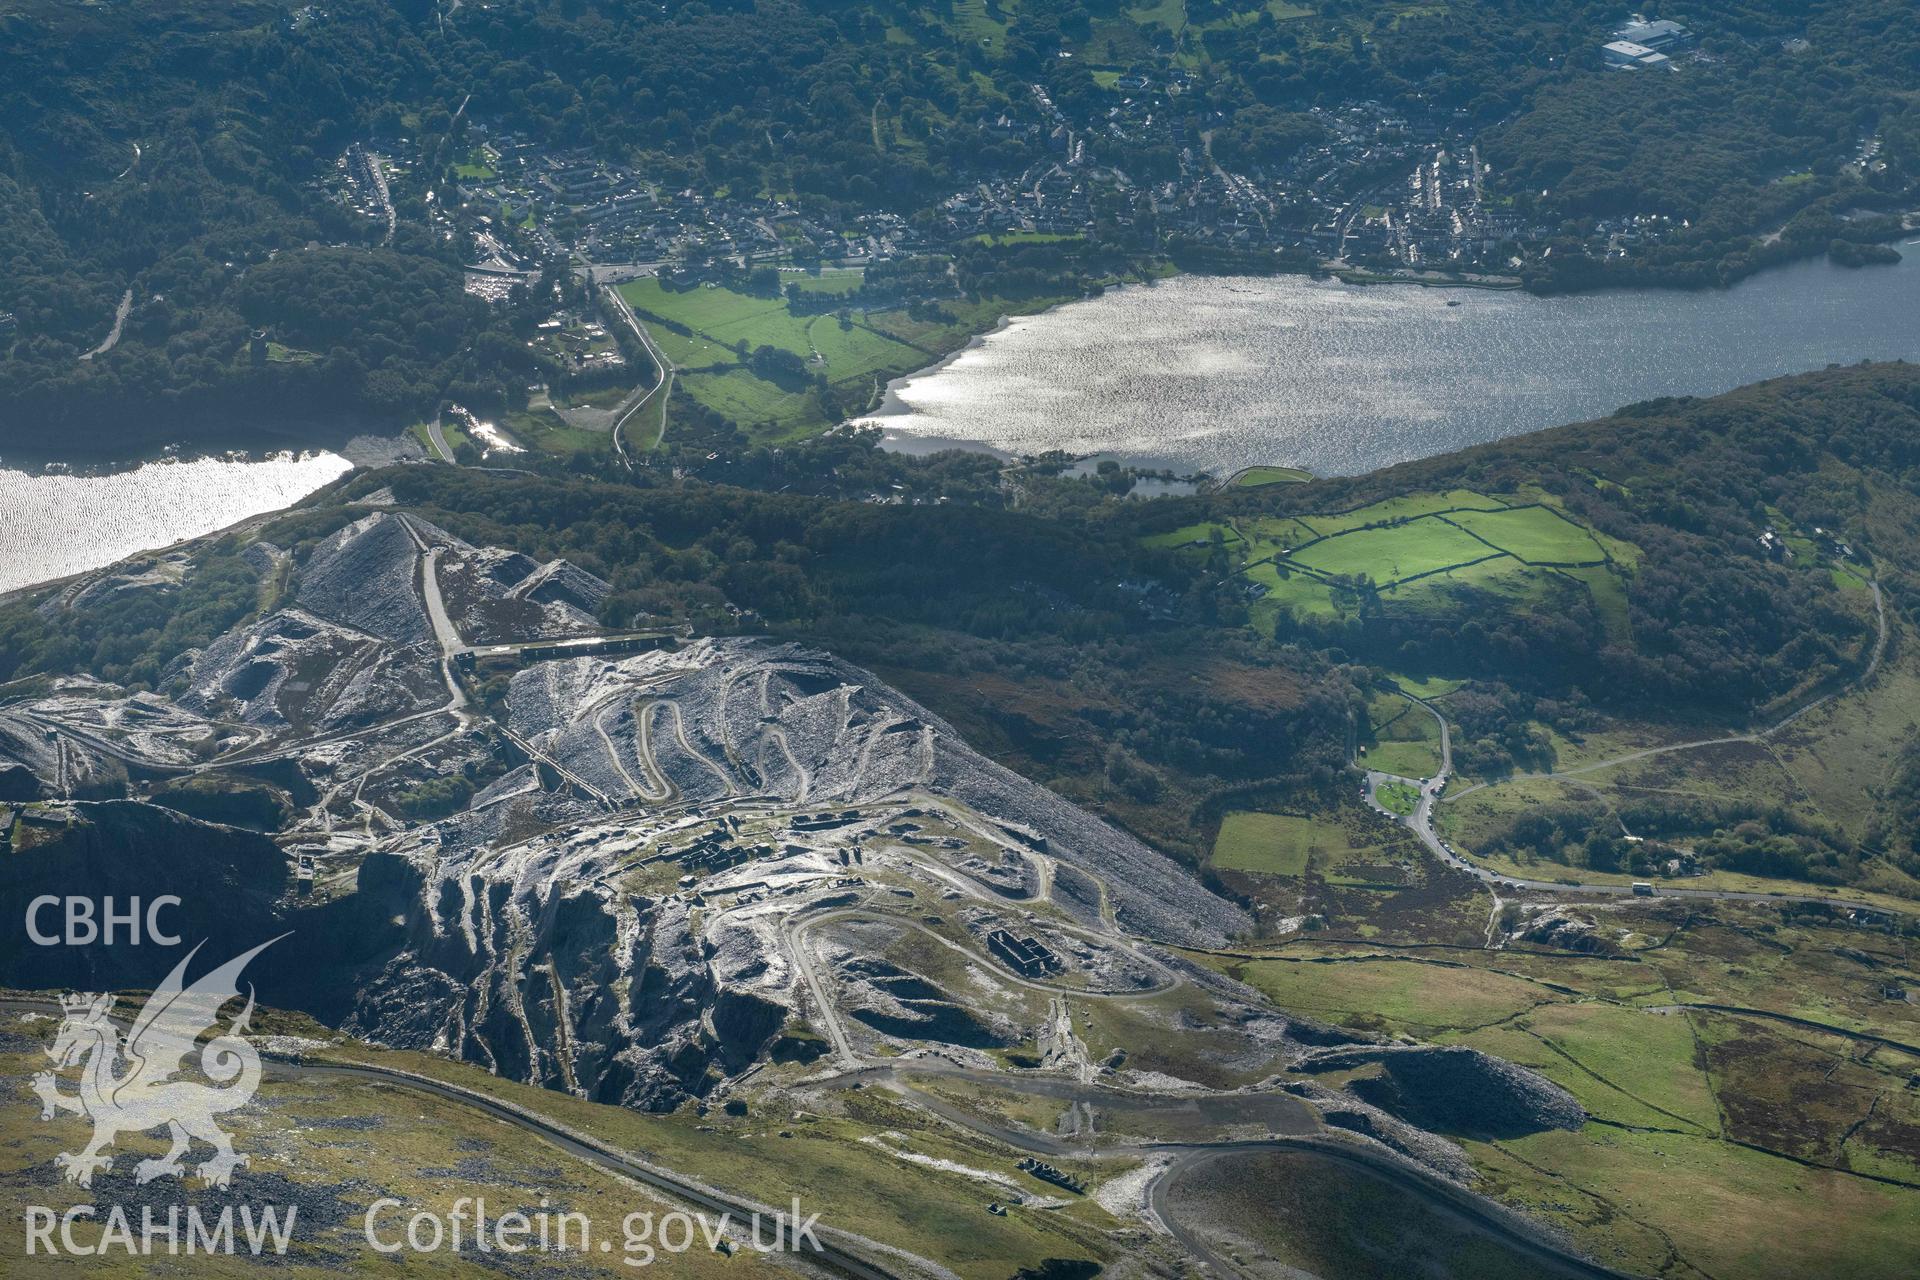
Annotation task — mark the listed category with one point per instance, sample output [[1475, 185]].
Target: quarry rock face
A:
[[563, 986], [18, 782], [229, 883], [588, 886], [363, 576], [1454, 1089], [727, 718], [633, 868]]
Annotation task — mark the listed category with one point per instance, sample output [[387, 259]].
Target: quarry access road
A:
[[1292, 1126], [451, 646]]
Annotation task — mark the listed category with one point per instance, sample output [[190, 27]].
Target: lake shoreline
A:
[[1488, 390], [890, 403], [363, 443], [58, 525]]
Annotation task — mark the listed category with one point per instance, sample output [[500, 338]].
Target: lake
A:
[[55, 524], [1213, 374]]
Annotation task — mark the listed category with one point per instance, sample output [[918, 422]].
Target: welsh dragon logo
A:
[[131, 1084]]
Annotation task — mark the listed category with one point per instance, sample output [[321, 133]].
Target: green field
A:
[[1537, 535], [691, 351], [1255, 477], [544, 430], [1269, 843], [1424, 999], [703, 331], [1418, 760], [1170, 14], [1300, 593], [1408, 506], [752, 402], [1626, 1066], [1024, 237], [1406, 738], [825, 279], [1398, 797], [855, 351], [1396, 552], [702, 307], [1416, 553], [1349, 848], [1428, 687], [1198, 536], [1734, 1211], [1717, 1143], [475, 167]]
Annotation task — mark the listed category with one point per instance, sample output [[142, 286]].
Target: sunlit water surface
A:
[[55, 525], [1213, 374]]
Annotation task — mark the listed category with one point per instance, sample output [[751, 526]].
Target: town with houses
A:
[[1384, 190]]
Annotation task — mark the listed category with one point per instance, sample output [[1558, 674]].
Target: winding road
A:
[[1420, 821], [1291, 1124], [663, 389], [1758, 735], [120, 314]]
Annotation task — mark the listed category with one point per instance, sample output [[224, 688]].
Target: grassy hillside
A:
[[1721, 572]]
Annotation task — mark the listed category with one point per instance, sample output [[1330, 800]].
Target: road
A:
[[593, 1151], [1297, 1133], [120, 314], [579, 1145], [1290, 1123], [620, 766], [443, 628], [1167, 980], [451, 644], [663, 389], [1292, 1127], [439, 438], [377, 175], [1420, 822], [1758, 735]]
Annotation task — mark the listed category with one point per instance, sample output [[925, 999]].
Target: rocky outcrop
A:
[[229, 883], [563, 583], [1344, 1111], [1454, 1089], [907, 1006], [1565, 930], [541, 969], [227, 798], [17, 782], [364, 576], [748, 717]]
